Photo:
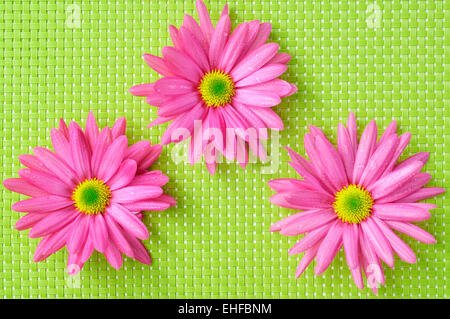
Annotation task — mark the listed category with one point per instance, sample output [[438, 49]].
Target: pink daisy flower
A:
[[89, 194], [225, 81], [355, 197]]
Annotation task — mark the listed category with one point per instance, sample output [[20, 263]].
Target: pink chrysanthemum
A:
[[89, 194], [355, 197], [224, 81]]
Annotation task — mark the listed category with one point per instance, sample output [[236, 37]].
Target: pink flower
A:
[[89, 194], [225, 82], [355, 197]]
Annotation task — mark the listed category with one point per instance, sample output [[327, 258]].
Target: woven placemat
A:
[[383, 60]]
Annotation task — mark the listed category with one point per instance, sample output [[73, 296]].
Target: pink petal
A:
[[46, 182], [379, 161], [136, 193], [288, 184], [103, 141], [332, 161], [53, 222], [370, 262], [350, 239], [55, 166], [366, 147], [182, 65], [81, 154], [205, 20], [302, 199], [179, 104], [138, 151], [266, 73], [282, 58], [305, 171], [33, 162], [19, 185], [278, 86], [390, 130], [421, 194], [112, 158], [219, 39], [116, 234], [184, 122], [63, 128], [140, 253], [151, 178], [422, 157], [195, 29], [315, 157], [269, 117], [261, 37], [394, 180], [151, 157], [158, 64], [252, 119], [253, 28], [253, 62], [307, 221], [285, 221], [28, 221], [79, 234], [412, 231], [128, 221], [147, 205], [416, 183], [87, 251], [233, 48], [404, 141], [329, 247], [256, 98], [167, 199], [91, 130], [194, 49], [142, 89], [310, 240], [51, 244], [119, 127], [345, 150], [173, 86], [398, 245], [157, 99], [316, 132], [124, 175], [401, 212], [378, 241], [160, 120], [357, 276], [352, 131], [224, 11], [211, 163], [175, 37], [99, 233], [113, 256], [61, 146], [42, 204], [306, 260]]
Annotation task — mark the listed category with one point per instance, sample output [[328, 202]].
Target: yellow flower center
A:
[[91, 196], [353, 204], [216, 88]]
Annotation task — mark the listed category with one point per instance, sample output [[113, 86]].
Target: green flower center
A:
[[216, 88], [353, 204], [91, 197]]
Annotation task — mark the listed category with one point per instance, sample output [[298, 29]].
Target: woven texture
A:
[[384, 61]]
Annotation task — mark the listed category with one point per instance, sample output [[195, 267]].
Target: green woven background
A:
[[216, 243]]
